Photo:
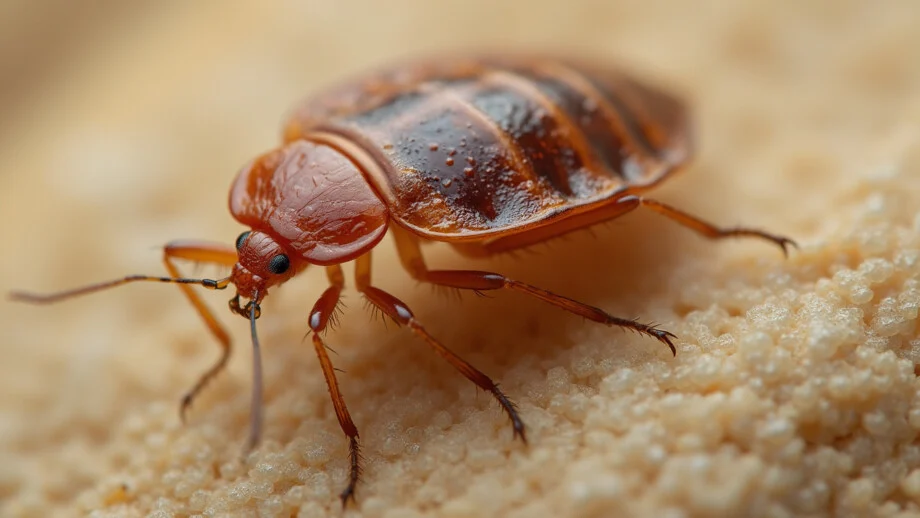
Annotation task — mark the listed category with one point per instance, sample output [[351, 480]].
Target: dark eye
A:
[[242, 239], [279, 264]]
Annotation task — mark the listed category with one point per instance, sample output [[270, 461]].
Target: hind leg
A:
[[711, 231], [411, 257]]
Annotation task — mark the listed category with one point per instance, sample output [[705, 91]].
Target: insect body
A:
[[487, 154]]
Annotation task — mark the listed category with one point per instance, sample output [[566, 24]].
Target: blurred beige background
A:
[[793, 392]]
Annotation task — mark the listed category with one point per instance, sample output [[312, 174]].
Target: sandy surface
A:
[[793, 392]]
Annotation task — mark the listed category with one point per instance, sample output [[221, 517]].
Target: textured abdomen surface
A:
[[469, 148]]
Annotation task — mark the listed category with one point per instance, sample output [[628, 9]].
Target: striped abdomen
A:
[[476, 147]]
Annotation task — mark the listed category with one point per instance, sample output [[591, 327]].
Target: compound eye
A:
[[279, 264], [242, 239]]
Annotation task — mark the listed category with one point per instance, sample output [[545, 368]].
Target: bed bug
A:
[[488, 154]]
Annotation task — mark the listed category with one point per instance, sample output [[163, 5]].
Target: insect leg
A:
[[320, 315], [411, 257], [207, 253], [712, 231], [401, 314]]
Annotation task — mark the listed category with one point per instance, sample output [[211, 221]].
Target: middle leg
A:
[[411, 256], [401, 314]]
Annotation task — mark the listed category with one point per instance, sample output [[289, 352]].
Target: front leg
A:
[[320, 316], [202, 252], [191, 250]]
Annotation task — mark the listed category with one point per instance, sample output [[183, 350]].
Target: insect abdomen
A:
[[495, 146]]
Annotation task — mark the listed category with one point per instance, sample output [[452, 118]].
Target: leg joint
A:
[[393, 307], [466, 279]]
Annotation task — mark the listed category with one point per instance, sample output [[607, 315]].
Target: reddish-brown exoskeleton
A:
[[489, 154]]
